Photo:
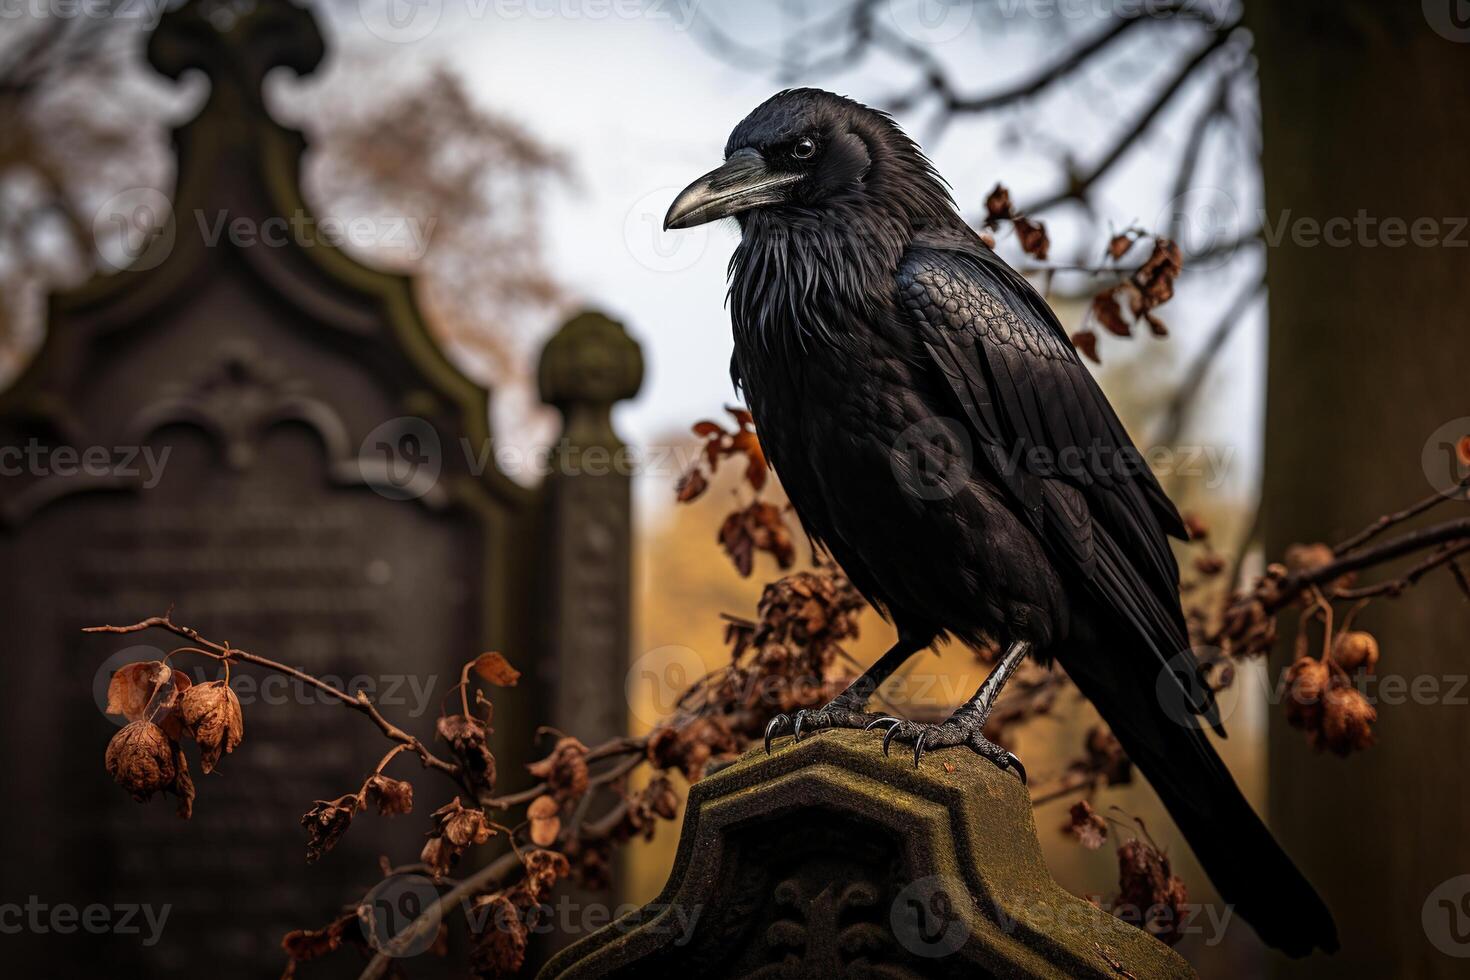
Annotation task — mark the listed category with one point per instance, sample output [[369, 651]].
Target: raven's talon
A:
[[1004, 760], [927, 738], [1011, 762], [773, 729], [796, 725], [888, 736], [809, 721]]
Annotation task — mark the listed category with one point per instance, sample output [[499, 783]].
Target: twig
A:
[[1408, 513], [1080, 183], [1296, 583], [358, 702], [635, 748], [491, 876], [1396, 587]]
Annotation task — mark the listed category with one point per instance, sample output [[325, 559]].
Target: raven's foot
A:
[[951, 733], [837, 714]]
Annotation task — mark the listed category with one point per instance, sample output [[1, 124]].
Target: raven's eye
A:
[[804, 148]]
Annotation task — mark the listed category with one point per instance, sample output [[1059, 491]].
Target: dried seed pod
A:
[[140, 758], [1355, 649], [1347, 721], [1307, 681]]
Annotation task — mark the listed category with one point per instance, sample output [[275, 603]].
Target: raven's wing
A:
[[1027, 397], [1046, 433]]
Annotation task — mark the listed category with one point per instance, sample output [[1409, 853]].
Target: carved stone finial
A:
[[590, 360], [237, 43], [828, 859], [586, 367]]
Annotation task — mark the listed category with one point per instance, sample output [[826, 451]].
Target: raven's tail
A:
[[1249, 869]]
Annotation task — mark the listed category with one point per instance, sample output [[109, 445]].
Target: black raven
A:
[[939, 436]]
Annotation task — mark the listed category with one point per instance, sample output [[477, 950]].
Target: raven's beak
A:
[[742, 183]]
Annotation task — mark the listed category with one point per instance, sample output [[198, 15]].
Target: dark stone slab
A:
[[828, 859]]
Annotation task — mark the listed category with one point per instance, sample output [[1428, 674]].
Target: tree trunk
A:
[[1366, 112]]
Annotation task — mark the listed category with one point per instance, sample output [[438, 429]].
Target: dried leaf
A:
[[543, 870], [469, 741], [759, 527], [690, 486], [463, 826], [131, 688], [545, 816], [493, 667], [1154, 280], [1105, 756], [1032, 235], [998, 205], [500, 945], [183, 786], [326, 822], [310, 944], [392, 796], [745, 441], [1108, 313], [211, 713], [1087, 825], [1150, 895], [1086, 342], [564, 770], [455, 828], [690, 746], [149, 690]]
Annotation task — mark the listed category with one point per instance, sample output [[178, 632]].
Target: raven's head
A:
[[806, 153]]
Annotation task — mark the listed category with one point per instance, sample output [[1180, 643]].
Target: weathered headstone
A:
[[829, 859], [264, 437]]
